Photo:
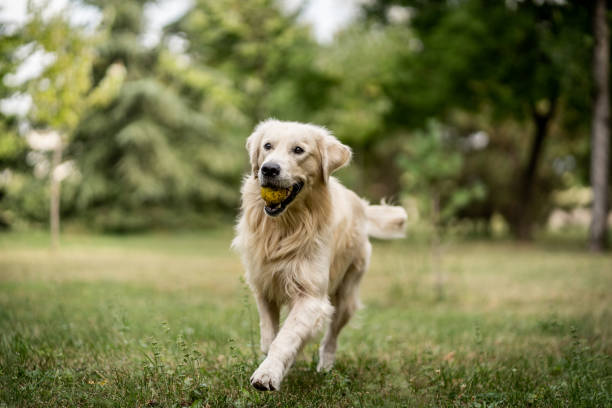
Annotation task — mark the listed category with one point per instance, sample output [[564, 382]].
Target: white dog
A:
[[306, 244]]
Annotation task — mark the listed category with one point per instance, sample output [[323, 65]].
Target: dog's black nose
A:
[[270, 169]]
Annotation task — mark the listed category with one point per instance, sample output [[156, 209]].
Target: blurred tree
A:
[[265, 53], [522, 62], [358, 106], [432, 161], [12, 164], [600, 150], [12, 147], [59, 93], [148, 156]]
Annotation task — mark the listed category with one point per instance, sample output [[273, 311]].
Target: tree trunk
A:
[[436, 246], [524, 216], [600, 146], [54, 208]]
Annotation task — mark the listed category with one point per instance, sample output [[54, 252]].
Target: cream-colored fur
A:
[[312, 256]]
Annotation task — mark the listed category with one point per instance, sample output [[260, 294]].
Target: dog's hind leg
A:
[[345, 302]]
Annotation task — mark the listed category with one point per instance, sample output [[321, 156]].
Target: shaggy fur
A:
[[312, 256]]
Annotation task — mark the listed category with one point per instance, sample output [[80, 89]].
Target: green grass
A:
[[164, 320]]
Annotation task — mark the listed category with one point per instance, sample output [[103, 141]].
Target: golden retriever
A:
[[309, 250]]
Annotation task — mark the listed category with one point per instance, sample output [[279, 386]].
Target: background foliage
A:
[[156, 133]]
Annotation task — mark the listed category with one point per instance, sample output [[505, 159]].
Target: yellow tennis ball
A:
[[272, 196]]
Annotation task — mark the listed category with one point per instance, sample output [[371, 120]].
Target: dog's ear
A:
[[334, 155], [252, 146]]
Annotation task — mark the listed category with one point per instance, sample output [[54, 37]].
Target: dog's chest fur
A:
[[286, 256]]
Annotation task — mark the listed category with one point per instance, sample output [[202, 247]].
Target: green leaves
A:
[[433, 165], [160, 140], [266, 56], [359, 103], [58, 95]]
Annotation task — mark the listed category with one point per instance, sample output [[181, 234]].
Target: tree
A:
[[265, 53], [151, 156], [12, 147], [600, 150], [357, 106], [432, 162], [58, 93], [519, 62]]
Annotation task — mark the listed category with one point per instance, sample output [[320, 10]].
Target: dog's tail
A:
[[386, 221]]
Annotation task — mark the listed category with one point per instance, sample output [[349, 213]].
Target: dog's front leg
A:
[[268, 321], [306, 317]]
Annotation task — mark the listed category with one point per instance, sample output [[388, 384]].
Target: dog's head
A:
[[291, 159]]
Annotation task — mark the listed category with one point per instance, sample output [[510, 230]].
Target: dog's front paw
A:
[[268, 376]]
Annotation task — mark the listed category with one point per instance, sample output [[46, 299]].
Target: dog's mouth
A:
[[278, 198]]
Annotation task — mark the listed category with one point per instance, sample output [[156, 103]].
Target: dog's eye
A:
[[298, 150], [267, 146]]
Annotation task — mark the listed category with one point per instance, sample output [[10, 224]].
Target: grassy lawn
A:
[[164, 320]]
